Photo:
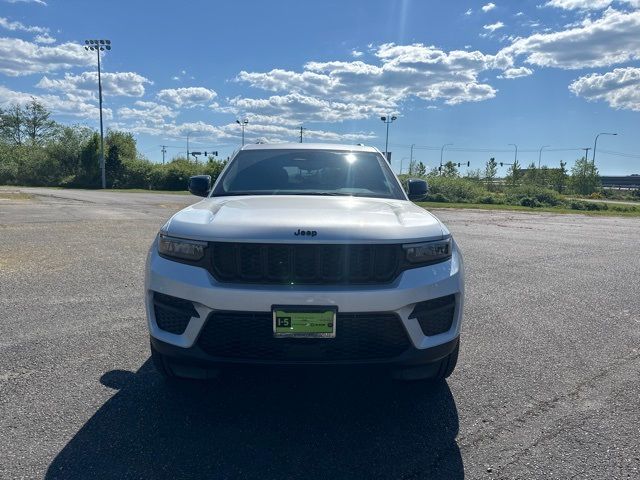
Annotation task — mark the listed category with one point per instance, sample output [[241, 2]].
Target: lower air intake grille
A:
[[435, 316], [172, 314], [241, 335]]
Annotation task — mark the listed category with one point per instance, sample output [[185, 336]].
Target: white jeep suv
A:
[[305, 254]]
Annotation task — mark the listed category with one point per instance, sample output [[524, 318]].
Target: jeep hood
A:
[[276, 219]]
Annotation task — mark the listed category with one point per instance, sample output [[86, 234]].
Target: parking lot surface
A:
[[547, 385]]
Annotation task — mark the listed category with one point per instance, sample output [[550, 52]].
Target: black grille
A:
[[172, 314], [435, 316], [304, 264], [238, 335]]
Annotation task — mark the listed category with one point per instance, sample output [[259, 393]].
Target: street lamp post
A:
[[595, 144], [441, 153], [387, 120], [100, 46], [188, 133], [540, 154], [243, 124]]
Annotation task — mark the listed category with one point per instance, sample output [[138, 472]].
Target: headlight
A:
[[428, 252], [181, 248]]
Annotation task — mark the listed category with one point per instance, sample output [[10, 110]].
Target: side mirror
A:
[[417, 189], [200, 185]]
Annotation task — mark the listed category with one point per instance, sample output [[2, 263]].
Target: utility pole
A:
[[586, 153], [302, 129], [164, 150], [410, 157], [188, 133], [100, 46]]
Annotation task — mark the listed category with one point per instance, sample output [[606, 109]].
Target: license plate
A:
[[304, 322]]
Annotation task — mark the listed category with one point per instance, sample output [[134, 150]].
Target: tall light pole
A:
[[100, 46], [515, 159], [243, 124], [595, 144], [302, 129], [540, 154], [387, 120], [441, 153], [188, 133]]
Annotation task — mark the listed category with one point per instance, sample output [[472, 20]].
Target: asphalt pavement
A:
[[547, 384]]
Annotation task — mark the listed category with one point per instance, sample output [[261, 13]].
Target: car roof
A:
[[309, 146]]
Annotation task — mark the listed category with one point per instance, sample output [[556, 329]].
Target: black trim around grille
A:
[[435, 316], [249, 335], [172, 314]]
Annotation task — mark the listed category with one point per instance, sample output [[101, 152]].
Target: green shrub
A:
[[438, 197], [458, 190], [534, 195], [490, 200], [591, 206], [530, 202]]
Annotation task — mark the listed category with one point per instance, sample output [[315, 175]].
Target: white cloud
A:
[[494, 26], [335, 91], [468, 12], [187, 97], [39, 2], [148, 112], [128, 84], [619, 88], [19, 57], [611, 39], [516, 72], [44, 38], [588, 4], [356, 53], [68, 104], [20, 27], [488, 7]]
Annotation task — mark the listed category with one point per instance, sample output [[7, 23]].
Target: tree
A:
[[420, 170], [120, 146], [531, 175], [12, 125], [514, 174], [490, 172], [584, 177], [89, 168], [450, 169], [38, 127], [559, 177]]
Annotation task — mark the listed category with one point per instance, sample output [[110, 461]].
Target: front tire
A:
[[434, 372], [176, 371], [162, 365]]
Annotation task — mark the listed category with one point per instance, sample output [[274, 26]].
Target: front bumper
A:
[[399, 297]]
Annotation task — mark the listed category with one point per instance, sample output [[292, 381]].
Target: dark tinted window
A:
[[309, 172]]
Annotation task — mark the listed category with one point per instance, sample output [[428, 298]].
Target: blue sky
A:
[[480, 75]]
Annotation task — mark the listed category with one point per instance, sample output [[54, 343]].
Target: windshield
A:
[[309, 172]]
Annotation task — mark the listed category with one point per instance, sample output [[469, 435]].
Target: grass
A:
[[8, 195], [518, 208]]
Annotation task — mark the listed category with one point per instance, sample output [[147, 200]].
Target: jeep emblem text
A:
[[306, 233]]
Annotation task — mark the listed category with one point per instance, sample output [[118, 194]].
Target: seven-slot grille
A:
[[304, 264]]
